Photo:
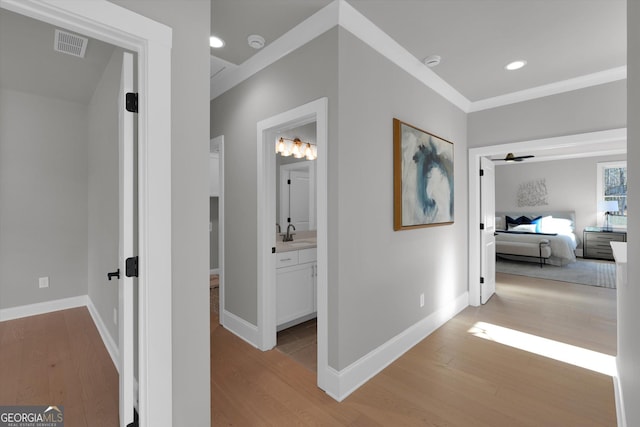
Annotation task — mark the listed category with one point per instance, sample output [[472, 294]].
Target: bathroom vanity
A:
[[296, 272]]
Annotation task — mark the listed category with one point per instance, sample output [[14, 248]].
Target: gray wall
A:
[[43, 198], [360, 191], [300, 77], [190, 21], [103, 197], [628, 298], [387, 269], [587, 110], [575, 191]]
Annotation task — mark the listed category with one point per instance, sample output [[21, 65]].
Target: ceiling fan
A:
[[511, 158]]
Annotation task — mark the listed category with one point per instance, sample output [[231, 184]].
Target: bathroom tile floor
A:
[[300, 342]]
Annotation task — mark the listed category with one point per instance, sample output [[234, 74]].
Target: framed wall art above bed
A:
[[423, 190]]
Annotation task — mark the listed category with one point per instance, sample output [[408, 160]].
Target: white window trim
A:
[[601, 166]]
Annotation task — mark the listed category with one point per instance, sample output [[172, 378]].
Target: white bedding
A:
[[563, 244]]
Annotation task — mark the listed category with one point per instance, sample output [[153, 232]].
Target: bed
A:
[[521, 229]]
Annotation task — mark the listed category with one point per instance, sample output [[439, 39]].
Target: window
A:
[[612, 187]]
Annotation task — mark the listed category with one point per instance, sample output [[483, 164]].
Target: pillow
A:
[[556, 225], [538, 223], [523, 220], [530, 228], [500, 225]]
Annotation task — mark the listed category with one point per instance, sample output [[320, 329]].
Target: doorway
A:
[[579, 145], [113, 24], [267, 131]]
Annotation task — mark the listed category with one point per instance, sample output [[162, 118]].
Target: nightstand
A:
[[596, 242]]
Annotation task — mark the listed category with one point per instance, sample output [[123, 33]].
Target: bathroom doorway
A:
[[302, 258]]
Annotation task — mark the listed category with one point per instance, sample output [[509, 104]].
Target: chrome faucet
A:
[[289, 236]]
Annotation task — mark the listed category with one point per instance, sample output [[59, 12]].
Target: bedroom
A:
[[548, 187]]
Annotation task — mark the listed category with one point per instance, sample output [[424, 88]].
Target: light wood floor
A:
[[449, 379], [59, 359]]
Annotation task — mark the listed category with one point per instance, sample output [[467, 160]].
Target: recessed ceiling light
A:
[[255, 41], [216, 42], [432, 61], [515, 65]]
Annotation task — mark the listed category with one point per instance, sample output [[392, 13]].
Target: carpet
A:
[[583, 271]]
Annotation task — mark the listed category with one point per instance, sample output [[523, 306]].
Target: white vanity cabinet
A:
[[295, 287]]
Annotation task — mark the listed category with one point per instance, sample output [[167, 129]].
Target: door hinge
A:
[[481, 280], [481, 226], [273, 250], [481, 172], [131, 102], [289, 181], [131, 267]]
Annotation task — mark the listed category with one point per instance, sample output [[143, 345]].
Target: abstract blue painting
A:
[[423, 178]]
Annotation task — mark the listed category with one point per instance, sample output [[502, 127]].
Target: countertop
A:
[[301, 240]]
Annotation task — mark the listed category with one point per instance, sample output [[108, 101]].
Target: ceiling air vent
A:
[[69, 43]]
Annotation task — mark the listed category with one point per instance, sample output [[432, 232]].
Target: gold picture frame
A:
[[423, 184]]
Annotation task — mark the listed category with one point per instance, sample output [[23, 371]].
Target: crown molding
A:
[[588, 80], [361, 27], [341, 13], [309, 29]]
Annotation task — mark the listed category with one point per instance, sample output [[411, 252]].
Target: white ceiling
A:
[[28, 62], [560, 39]]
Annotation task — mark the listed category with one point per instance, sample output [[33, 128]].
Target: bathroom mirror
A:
[[296, 184]]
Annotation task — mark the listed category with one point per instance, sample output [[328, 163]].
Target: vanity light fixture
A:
[[295, 147], [515, 65]]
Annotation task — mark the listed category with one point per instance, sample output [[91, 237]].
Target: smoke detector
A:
[[432, 61], [71, 44], [256, 41]]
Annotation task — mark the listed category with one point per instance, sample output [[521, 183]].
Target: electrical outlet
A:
[[43, 282], [115, 316], [421, 300]]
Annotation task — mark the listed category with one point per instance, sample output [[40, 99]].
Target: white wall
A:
[[190, 22], [103, 190], [571, 186], [629, 297], [43, 198]]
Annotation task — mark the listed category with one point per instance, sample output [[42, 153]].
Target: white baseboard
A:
[[617, 388], [341, 384], [241, 328], [109, 343], [42, 307]]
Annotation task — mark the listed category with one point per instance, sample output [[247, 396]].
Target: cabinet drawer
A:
[[307, 255], [286, 259], [604, 238]]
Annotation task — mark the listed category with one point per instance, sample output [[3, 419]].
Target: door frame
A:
[[219, 142], [590, 144], [152, 42], [266, 281]]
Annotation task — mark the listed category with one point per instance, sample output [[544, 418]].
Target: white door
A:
[[127, 242], [299, 199], [487, 232]]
